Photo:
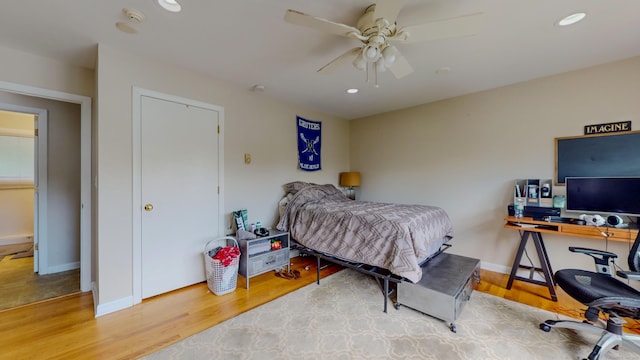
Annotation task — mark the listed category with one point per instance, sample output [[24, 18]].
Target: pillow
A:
[[282, 204], [295, 186]]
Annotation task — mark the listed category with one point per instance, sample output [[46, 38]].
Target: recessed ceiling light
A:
[[443, 70], [170, 5], [571, 19], [352, 91]]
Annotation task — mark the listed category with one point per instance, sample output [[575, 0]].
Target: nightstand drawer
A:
[[262, 263]]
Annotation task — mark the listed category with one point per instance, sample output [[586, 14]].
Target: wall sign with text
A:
[[619, 126]]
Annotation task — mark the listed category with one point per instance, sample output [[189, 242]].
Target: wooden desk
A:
[[535, 229]]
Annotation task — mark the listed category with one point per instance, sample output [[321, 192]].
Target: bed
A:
[[396, 237]]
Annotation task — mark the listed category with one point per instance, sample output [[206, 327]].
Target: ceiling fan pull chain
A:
[[368, 66], [375, 73]]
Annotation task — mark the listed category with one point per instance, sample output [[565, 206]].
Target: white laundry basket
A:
[[220, 279]]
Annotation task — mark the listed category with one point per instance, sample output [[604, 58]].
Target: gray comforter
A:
[[396, 237]]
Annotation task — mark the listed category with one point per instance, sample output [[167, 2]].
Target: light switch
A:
[[247, 158]]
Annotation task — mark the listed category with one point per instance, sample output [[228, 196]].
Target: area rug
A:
[[342, 318]]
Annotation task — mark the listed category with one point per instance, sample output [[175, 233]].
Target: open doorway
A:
[[38, 260], [85, 205]]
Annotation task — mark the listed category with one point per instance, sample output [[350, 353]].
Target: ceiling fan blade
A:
[[340, 60], [388, 9], [314, 22], [400, 67], [461, 26]]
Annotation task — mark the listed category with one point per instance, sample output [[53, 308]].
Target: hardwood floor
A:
[[19, 285], [65, 328]]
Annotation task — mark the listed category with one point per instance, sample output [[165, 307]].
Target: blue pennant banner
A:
[[309, 144]]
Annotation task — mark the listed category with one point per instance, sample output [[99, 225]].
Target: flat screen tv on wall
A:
[[604, 195]]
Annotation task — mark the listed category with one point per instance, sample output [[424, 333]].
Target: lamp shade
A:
[[349, 179]]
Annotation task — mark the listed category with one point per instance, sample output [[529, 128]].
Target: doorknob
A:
[[148, 207]]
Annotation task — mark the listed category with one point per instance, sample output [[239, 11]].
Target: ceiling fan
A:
[[377, 30]]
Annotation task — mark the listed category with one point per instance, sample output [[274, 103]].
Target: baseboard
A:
[[62, 267], [16, 239], [503, 269], [112, 306]]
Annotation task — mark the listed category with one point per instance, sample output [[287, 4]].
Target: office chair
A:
[[602, 293]]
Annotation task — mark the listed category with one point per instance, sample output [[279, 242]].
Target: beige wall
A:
[[16, 121], [463, 154], [16, 215], [254, 123], [33, 70]]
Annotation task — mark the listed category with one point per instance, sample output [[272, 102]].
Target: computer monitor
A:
[[603, 195]]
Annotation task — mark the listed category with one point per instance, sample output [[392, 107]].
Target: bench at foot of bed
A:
[[446, 285]]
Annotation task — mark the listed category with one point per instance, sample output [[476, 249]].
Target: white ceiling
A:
[[247, 42]]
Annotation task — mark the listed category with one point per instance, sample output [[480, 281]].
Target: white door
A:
[[36, 199], [179, 192], [40, 225]]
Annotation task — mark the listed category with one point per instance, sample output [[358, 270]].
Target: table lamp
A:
[[350, 180]]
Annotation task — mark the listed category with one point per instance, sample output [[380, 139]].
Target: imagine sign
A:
[[607, 128]]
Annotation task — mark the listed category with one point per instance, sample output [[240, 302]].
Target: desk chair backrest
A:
[[634, 255]]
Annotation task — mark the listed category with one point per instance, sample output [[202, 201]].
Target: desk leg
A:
[[543, 251], [545, 264], [516, 263]]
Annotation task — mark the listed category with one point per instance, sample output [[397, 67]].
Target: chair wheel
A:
[[544, 327]]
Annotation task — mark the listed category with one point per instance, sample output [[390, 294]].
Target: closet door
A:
[[179, 192]]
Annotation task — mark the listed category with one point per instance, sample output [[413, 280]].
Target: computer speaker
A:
[[614, 220], [594, 220]]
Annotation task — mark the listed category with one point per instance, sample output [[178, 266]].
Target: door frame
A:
[[40, 225], [136, 116], [85, 167]]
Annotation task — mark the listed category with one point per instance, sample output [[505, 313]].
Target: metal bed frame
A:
[[379, 274]]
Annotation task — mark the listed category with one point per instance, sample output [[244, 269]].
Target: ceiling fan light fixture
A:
[[376, 29], [571, 19], [371, 53], [170, 5], [389, 54], [359, 62]]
